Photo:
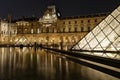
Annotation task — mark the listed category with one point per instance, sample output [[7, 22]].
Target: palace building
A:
[[50, 29]]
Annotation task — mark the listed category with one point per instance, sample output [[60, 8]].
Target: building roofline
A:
[[86, 16]]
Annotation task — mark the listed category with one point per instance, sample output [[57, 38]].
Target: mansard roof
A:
[[26, 19], [86, 16]]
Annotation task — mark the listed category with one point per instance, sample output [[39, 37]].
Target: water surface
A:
[[31, 64]]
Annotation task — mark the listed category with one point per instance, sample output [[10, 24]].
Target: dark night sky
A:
[[19, 8]]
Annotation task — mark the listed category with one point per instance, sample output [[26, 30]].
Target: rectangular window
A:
[[69, 29], [75, 22], [53, 30], [81, 21], [69, 22], [47, 30], [88, 28], [88, 21], [95, 20], [75, 29], [63, 22], [41, 30], [82, 29], [63, 29]]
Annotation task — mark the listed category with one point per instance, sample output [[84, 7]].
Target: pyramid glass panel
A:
[[107, 30], [77, 47], [22, 40], [114, 24], [117, 30], [100, 36], [83, 41], [93, 43], [102, 24], [117, 43], [105, 43], [112, 36], [115, 13], [105, 36], [111, 48], [118, 8], [98, 47], [96, 30], [86, 47], [108, 19], [89, 37], [118, 18]]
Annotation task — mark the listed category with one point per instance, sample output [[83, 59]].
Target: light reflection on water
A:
[[30, 64]]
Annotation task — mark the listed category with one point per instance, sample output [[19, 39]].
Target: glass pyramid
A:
[[104, 37], [23, 40]]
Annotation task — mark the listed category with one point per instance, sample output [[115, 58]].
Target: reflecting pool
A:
[[38, 64]]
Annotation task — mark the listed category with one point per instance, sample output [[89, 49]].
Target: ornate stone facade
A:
[[51, 29]]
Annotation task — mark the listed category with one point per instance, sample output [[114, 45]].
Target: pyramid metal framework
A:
[[104, 37], [23, 40]]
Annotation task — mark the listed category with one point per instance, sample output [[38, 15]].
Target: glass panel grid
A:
[[118, 18], [111, 48], [86, 47], [96, 30], [89, 37], [98, 47], [112, 36], [105, 43], [115, 13], [114, 24], [105, 36], [77, 47], [109, 19], [102, 24], [117, 43], [117, 30], [82, 43], [93, 43], [107, 30], [118, 8], [100, 36]]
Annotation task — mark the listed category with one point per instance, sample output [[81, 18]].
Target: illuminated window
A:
[[32, 31], [38, 30]]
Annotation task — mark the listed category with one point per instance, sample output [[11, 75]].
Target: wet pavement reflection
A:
[[31, 64]]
